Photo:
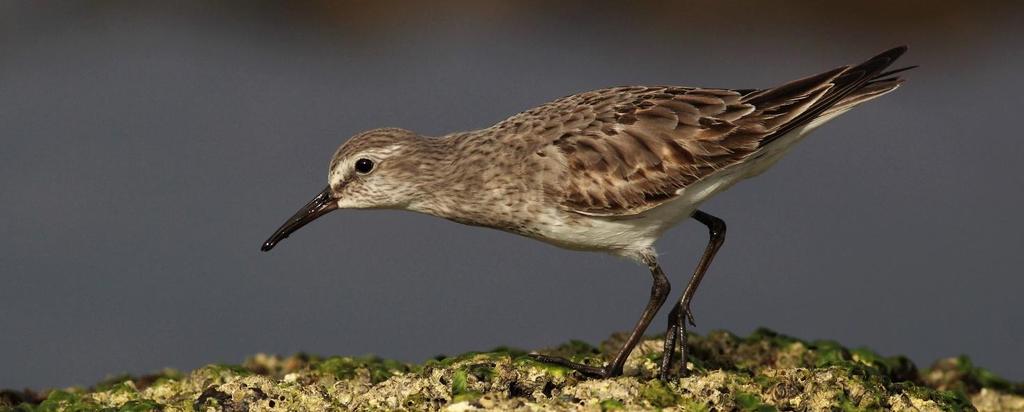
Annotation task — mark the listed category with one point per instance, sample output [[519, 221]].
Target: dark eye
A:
[[364, 166]]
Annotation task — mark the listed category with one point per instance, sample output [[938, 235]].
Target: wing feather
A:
[[626, 150]]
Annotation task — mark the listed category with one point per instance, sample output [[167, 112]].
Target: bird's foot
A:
[[676, 336], [587, 370], [669, 369]]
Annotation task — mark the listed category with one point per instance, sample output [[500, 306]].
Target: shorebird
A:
[[606, 170]]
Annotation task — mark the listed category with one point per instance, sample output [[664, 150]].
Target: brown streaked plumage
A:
[[607, 170]]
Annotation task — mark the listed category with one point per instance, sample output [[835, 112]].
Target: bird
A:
[[607, 170]]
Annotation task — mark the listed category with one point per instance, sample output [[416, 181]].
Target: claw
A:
[[689, 317]]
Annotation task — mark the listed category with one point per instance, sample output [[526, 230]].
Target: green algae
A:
[[139, 406], [946, 399], [459, 382], [830, 353], [748, 402], [63, 401], [687, 405], [347, 367], [765, 371], [659, 395], [611, 405], [556, 371], [444, 361], [481, 371], [975, 377], [897, 368]]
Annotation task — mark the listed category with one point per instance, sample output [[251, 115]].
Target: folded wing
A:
[[629, 149]]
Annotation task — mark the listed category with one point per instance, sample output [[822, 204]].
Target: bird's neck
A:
[[450, 181]]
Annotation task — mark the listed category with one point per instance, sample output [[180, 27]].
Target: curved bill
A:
[[319, 206]]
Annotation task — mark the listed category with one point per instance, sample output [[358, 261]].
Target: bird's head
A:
[[374, 169]]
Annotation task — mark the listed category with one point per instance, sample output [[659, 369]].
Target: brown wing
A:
[[626, 150]]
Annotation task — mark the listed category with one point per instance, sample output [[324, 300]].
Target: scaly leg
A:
[[659, 292], [681, 314]]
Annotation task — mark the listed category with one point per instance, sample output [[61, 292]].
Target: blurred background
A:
[[148, 148]]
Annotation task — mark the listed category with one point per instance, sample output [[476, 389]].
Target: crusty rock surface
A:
[[762, 372]]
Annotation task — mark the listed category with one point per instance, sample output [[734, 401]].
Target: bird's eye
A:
[[364, 166]]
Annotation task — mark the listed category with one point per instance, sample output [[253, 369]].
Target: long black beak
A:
[[321, 204]]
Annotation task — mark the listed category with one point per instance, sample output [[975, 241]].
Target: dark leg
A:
[[659, 291], [681, 314]]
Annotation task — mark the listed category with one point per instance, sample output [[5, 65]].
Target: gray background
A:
[[149, 148]]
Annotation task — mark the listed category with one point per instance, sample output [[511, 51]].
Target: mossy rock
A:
[[765, 371]]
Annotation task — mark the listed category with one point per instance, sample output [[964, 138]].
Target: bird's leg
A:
[[681, 314], [659, 292], [672, 336]]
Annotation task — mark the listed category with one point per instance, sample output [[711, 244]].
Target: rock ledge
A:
[[765, 371]]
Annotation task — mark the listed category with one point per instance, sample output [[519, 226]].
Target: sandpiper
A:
[[606, 170]]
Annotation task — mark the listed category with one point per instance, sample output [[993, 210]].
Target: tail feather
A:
[[870, 91], [892, 72], [847, 87]]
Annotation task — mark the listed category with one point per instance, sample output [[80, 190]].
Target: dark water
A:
[[148, 149]]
